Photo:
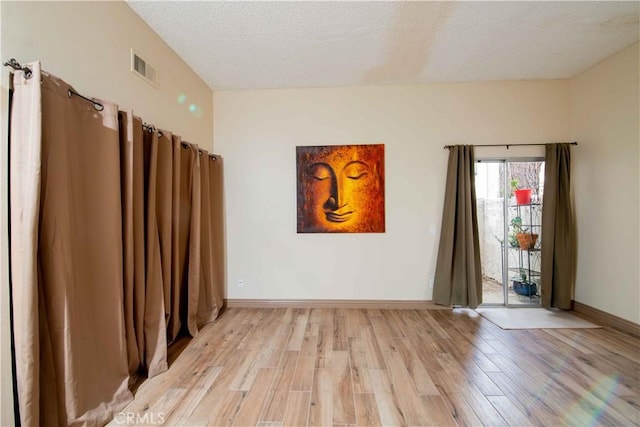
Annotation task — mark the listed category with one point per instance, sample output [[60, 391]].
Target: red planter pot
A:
[[523, 197]]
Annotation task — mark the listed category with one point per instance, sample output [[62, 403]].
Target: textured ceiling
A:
[[245, 45]]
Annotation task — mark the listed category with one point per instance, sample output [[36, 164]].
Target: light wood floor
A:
[[324, 367]]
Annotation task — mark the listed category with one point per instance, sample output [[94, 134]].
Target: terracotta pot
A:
[[523, 196], [526, 240]]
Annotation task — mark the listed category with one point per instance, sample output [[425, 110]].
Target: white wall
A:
[[88, 45], [257, 132], [605, 117]]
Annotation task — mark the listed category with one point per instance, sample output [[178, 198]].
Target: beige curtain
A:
[[458, 278], [216, 221], [191, 210], [133, 238], [115, 251], [164, 216], [25, 160], [143, 292], [179, 228], [210, 280], [68, 376], [155, 326], [558, 228]]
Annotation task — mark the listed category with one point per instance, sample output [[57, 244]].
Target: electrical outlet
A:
[[431, 283], [240, 283]]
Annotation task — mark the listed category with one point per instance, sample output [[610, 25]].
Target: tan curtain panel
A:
[[78, 356], [155, 325], [164, 216], [179, 229], [216, 222], [558, 264], [132, 237], [191, 210], [458, 278], [211, 262], [145, 324], [115, 251]]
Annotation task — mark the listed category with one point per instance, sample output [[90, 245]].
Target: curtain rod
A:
[[446, 147], [28, 74], [151, 129], [70, 92], [200, 152], [16, 66], [98, 106]]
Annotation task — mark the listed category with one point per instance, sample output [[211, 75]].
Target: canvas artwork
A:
[[341, 189]]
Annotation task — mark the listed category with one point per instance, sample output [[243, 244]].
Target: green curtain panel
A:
[[458, 279], [558, 228]]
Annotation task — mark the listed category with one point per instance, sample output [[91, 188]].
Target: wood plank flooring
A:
[[339, 367]]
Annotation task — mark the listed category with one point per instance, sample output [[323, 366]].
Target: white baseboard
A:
[[333, 303]]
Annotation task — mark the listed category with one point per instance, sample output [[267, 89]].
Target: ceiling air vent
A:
[[143, 69]]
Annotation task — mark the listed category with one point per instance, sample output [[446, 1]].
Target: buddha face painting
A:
[[341, 189]]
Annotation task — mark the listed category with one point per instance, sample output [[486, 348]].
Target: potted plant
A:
[[523, 286], [527, 241], [516, 228], [519, 236], [523, 195]]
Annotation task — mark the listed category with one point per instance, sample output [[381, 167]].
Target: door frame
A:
[[505, 211]]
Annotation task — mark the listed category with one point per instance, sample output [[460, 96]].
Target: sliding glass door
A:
[[509, 199], [491, 220]]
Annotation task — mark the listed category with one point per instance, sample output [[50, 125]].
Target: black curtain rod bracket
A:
[[446, 147], [98, 106], [16, 66]]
